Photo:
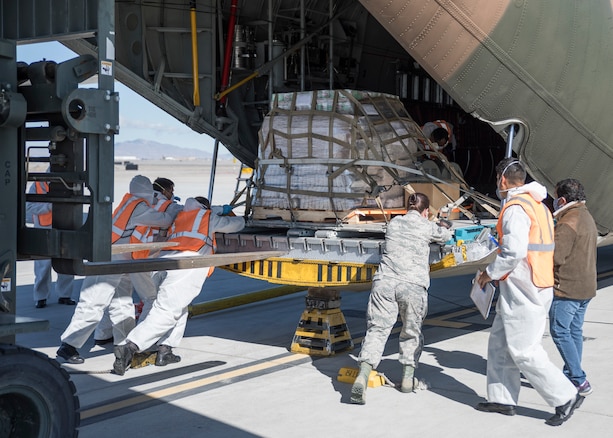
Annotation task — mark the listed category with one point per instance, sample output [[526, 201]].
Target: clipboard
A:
[[482, 297]]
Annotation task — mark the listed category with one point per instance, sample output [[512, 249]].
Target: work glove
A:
[[444, 223], [227, 209]]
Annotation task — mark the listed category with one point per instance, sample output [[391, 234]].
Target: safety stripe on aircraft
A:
[[319, 273]]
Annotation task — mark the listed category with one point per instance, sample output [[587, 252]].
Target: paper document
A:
[[482, 297]]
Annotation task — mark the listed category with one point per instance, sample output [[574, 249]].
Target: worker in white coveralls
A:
[[163, 200], [101, 291], [40, 214], [194, 230], [524, 269], [440, 133]]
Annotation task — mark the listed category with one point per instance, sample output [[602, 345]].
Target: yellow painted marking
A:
[[186, 386], [143, 398], [604, 275], [460, 313], [442, 322]]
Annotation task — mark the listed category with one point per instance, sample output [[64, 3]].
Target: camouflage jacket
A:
[[407, 248]]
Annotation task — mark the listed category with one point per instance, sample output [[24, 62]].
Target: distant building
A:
[[123, 159]]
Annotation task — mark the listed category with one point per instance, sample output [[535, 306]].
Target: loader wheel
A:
[[37, 398]]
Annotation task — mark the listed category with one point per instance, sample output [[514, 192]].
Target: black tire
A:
[[37, 397]]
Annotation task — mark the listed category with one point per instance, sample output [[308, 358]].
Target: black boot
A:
[[103, 341], [165, 356], [123, 357], [565, 411], [69, 354]]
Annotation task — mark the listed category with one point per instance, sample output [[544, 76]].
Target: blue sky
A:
[[138, 118]]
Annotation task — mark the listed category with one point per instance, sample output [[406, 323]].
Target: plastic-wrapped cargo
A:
[[325, 153]]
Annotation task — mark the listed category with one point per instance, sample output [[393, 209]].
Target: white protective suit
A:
[[431, 126], [115, 290], [173, 209], [143, 284], [515, 343], [165, 324], [104, 330], [42, 267]]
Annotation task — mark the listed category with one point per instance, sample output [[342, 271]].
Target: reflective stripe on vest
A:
[[191, 231], [122, 215], [145, 234], [140, 236], [44, 219], [162, 206], [540, 240]]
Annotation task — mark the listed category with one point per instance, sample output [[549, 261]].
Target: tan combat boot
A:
[[358, 390], [408, 374]]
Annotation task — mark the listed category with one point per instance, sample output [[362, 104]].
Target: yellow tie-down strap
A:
[[320, 273]]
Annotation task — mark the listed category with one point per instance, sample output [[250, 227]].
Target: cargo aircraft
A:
[[509, 79], [511, 76]]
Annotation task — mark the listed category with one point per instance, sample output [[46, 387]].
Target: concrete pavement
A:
[[239, 379]]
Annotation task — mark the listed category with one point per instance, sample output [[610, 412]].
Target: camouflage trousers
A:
[[388, 299]]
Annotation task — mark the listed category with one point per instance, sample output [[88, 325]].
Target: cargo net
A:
[[325, 154]]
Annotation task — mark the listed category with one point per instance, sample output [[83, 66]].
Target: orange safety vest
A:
[[122, 215], [162, 206], [144, 234], [44, 219], [191, 231], [540, 240]]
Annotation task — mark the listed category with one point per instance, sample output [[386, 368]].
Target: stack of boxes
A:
[[309, 147]]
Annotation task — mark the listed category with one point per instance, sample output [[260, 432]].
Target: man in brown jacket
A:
[[574, 275]]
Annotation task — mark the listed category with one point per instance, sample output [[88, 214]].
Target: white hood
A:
[[192, 204], [534, 189], [141, 186]]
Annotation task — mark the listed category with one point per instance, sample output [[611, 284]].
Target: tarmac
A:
[[238, 377]]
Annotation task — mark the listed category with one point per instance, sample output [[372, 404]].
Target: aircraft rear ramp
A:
[[541, 66]]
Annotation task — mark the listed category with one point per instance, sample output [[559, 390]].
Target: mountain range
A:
[[142, 149], [152, 150]]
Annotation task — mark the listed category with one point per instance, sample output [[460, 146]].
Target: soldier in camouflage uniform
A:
[[400, 287]]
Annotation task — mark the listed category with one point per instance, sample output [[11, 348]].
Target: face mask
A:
[[499, 193]]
